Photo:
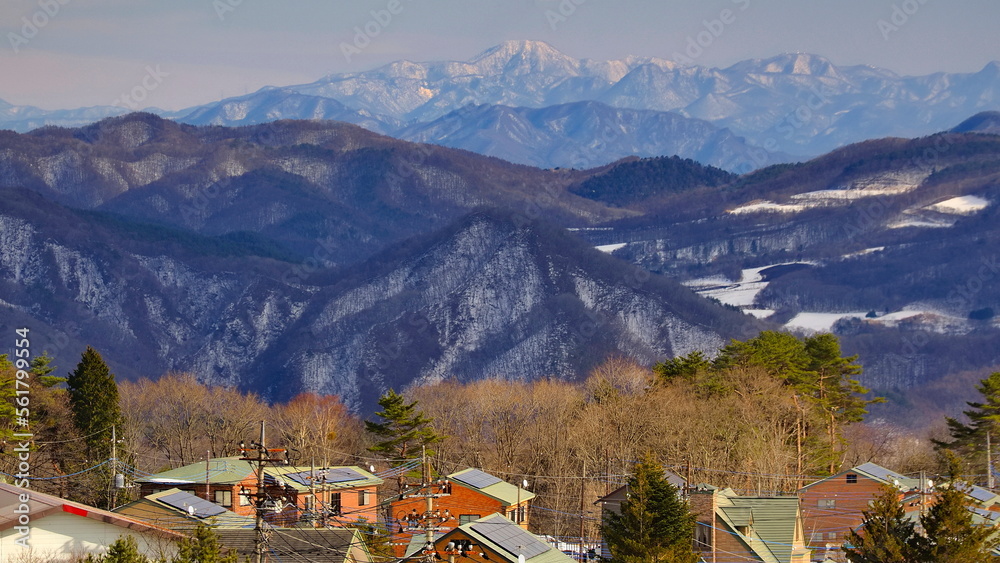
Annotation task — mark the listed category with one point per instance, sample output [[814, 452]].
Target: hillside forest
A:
[[764, 416]]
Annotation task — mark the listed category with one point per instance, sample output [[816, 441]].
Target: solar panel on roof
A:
[[478, 479], [202, 508], [511, 537], [879, 471], [341, 474], [335, 475], [979, 493]]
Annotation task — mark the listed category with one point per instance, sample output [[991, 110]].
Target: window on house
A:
[[364, 497], [467, 518], [310, 502], [703, 537], [827, 503], [224, 498], [244, 500], [335, 506], [852, 478]]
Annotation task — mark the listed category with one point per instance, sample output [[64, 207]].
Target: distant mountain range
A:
[[527, 94]]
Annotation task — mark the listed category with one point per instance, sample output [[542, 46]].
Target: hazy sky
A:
[[72, 53]]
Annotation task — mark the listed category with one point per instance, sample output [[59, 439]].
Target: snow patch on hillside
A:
[[610, 248], [741, 294], [962, 205], [764, 206], [928, 319], [891, 184]]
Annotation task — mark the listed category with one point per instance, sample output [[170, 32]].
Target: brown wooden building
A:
[[833, 506]]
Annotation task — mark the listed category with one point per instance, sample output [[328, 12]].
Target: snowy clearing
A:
[[874, 186], [962, 205], [738, 294], [921, 224], [609, 248]]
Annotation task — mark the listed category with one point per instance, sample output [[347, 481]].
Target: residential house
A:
[[300, 545], [334, 495], [461, 498], [492, 539], [730, 527], [182, 511], [48, 528], [833, 506], [612, 502]]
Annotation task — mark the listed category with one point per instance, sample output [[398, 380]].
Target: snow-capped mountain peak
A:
[[521, 56]]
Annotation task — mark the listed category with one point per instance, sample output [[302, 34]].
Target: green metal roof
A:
[[739, 515], [501, 491], [774, 522], [219, 471]]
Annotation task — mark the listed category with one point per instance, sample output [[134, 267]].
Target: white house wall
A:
[[63, 536]]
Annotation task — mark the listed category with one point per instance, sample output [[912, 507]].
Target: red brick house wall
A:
[[461, 501]]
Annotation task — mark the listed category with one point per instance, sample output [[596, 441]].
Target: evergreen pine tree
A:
[[125, 549], [829, 384], [969, 440], [654, 525], [887, 535], [93, 398], [404, 429], [203, 547], [949, 531]]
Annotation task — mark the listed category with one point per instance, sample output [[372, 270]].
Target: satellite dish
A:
[[371, 469], [930, 484], [191, 510], [520, 558], [524, 484]]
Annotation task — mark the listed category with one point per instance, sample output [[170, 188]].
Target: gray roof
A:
[[497, 488], [323, 545], [504, 537]]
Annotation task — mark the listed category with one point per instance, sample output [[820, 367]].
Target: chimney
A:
[[704, 502]]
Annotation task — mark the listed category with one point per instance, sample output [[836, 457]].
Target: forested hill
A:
[[493, 294]]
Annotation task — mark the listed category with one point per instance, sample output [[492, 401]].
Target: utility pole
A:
[[312, 486], [208, 481], [687, 480], [583, 487], [114, 469], [430, 524], [262, 456], [989, 463], [923, 490]]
